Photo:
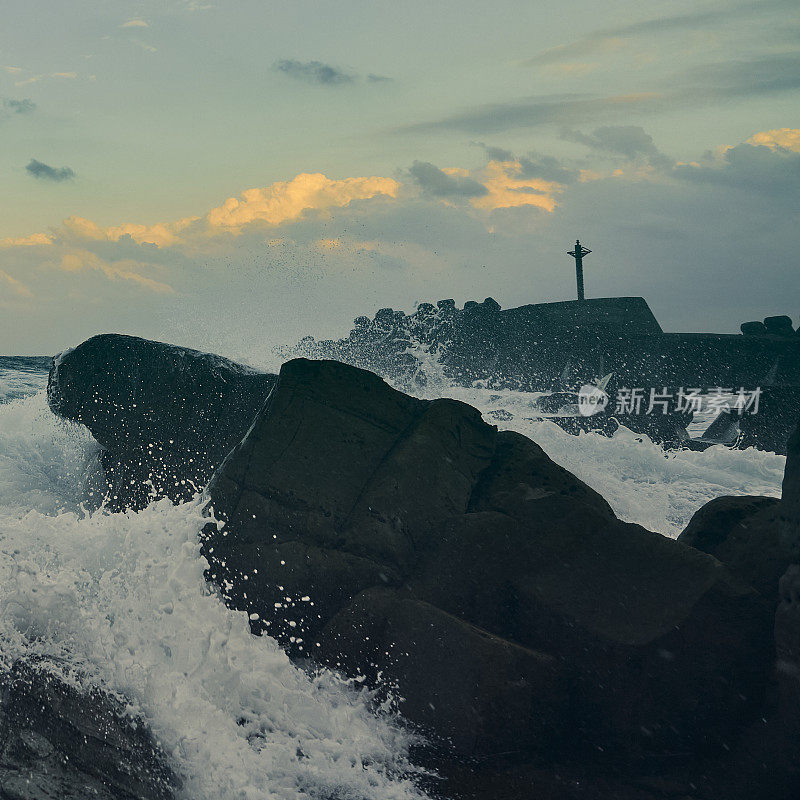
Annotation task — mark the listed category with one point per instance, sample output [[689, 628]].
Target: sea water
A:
[[121, 599]]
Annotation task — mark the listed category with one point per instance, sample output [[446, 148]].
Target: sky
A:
[[233, 175]]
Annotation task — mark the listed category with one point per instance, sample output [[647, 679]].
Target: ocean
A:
[[122, 599]]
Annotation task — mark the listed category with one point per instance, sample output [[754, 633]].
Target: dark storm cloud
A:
[[24, 106], [434, 181], [313, 72], [630, 141], [750, 168], [46, 172], [605, 38]]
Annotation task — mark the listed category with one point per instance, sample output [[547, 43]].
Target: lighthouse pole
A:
[[578, 253]]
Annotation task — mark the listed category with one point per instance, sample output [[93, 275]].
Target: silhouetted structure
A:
[[578, 253]]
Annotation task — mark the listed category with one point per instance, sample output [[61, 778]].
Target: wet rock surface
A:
[[165, 416], [57, 742], [547, 648], [407, 539], [744, 534]]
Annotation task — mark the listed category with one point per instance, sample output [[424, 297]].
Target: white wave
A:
[[122, 597], [44, 461], [642, 482]]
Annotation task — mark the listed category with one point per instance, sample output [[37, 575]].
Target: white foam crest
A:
[[642, 482], [123, 597], [44, 461]]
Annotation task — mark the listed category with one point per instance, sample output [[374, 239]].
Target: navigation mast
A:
[[578, 253]]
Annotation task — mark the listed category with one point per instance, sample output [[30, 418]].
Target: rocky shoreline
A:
[[546, 648]]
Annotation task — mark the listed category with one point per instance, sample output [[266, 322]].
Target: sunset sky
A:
[[235, 174]]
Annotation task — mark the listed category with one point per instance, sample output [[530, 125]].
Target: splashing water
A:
[[642, 482], [122, 597]]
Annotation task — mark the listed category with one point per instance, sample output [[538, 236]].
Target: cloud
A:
[[165, 234], [15, 286], [749, 168], [287, 200], [313, 72], [777, 72], [134, 23], [373, 78], [34, 240], [589, 45], [534, 165], [787, 138], [438, 183], [46, 76], [24, 106], [507, 186], [631, 141], [614, 38], [700, 85], [124, 269], [532, 112], [310, 253], [45, 172]]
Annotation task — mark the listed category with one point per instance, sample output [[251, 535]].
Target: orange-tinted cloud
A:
[[15, 286], [124, 269], [507, 188], [285, 201], [164, 234], [787, 138], [34, 240]]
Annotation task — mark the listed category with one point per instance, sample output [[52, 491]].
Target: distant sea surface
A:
[[21, 376]]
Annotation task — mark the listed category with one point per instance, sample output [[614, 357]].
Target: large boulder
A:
[[790, 497], [780, 325], [757, 538], [407, 539], [744, 534], [753, 328], [165, 416], [59, 742]]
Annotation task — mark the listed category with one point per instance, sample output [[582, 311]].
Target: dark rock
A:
[[490, 304], [787, 642], [446, 304], [533, 346], [165, 416], [744, 534], [454, 548], [790, 497], [770, 427], [753, 328], [466, 703], [337, 497], [57, 742], [779, 325], [384, 316]]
